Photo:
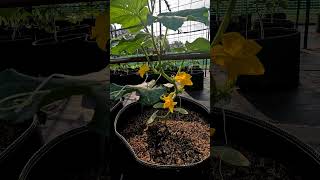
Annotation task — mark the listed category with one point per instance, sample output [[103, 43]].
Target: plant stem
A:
[[222, 28], [226, 20]]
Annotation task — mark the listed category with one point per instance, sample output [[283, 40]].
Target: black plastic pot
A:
[[130, 78], [134, 168], [15, 156], [276, 16], [71, 54], [280, 56], [74, 151], [237, 24], [15, 51], [197, 80], [266, 140], [274, 23], [318, 23], [74, 29]]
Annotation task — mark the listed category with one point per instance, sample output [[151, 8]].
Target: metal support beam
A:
[[306, 28], [23, 3], [298, 13], [180, 56]]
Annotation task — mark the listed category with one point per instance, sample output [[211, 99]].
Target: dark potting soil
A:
[[260, 168], [181, 140], [8, 134]]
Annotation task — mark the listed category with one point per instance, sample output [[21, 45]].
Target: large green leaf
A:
[[129, 13], [198, 45], [174, 20], [229, 155], [130, 46], [149, 95]]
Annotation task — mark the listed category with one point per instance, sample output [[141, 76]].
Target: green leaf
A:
[[198, 45], [181, 110], [152, 117], [130, 46], [150, 96], [117, 91], [129, 13], [158, 105], [229, 155], [174, 20]]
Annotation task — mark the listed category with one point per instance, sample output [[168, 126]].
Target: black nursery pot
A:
[[274, 23], [64, 157], [276, 16], [280, 56], [237, 24], [124, 78], [71, 54], [16, 155], [134, 168], [318, 23], [14, 52], [197, 80], [74, 29], [267, 140]]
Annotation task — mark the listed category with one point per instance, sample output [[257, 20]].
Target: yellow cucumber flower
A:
[[237, 55], [143, 69], [101, 30], [184, 79], [168, 102]]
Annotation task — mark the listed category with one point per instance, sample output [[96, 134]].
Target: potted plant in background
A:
[[250, 136], [14, 37], [269, 13], [273, 56], [62, 52]]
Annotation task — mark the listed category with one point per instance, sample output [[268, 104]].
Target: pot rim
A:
[[271, 127], [116, 105], [4, 39], [292, 32], [42, 151], [158, 166], [21, 138], [65, 38], [77, 26]]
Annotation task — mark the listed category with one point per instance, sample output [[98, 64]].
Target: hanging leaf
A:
[[174, 20], [149, 95], [229, 155], [101, 31], [129, 13], [198, 45], [130, 46], [181, 110], [158, 105], [152, 117]]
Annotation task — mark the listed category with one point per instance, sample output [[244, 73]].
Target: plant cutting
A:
[[151, 136]]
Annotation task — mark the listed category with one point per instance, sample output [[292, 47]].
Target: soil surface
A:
[[180, 140], [260, 168], [8, 134]]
